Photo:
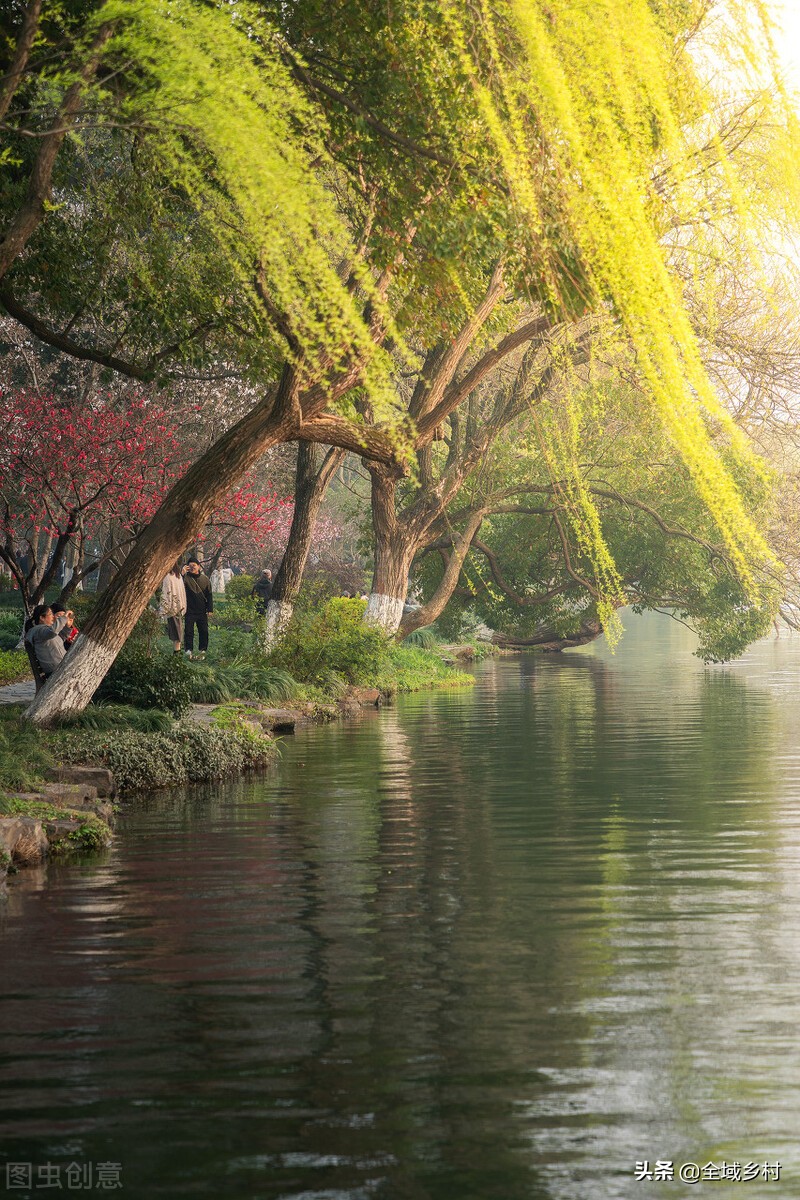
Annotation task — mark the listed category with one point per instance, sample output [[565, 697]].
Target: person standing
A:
[[199, 606], [262, 590], [173, 605]]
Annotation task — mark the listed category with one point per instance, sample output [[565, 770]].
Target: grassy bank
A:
[[144, 750], [139, 728]]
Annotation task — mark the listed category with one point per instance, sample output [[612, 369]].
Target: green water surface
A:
[[495, 944]]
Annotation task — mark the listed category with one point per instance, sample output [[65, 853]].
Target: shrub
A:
[[232, 614], [148, 680], [239, 588], [142, 761], [14, 665], [227, 643], [333, 640], [11, 622]]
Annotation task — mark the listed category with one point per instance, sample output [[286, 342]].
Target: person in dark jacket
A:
[[262, 590], [199, 605], [70, 630]]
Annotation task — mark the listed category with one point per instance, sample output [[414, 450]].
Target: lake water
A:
[[494, 944]]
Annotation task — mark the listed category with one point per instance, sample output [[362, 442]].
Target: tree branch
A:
[[32, 212], [11, 80], [69, 345], [458, 391]]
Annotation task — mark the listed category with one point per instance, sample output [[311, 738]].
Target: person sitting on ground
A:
[[70, 630], [43, 634], [262, 590], [199, 607], [173, 605]]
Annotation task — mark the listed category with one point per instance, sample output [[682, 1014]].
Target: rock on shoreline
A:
[[73, 812]]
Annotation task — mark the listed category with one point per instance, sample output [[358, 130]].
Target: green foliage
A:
[[651, 518], [23, 755], [566, 140], [146, 680], [239, 587], [235, 613], [411, 668], [10, 631], [244, 679], [119, 716], [425, 638], [91, 835], [14, 665], [189, 753], [316, 590], [334, 639]]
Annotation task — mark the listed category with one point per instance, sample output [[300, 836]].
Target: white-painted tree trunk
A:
[[88, 663], [278, 616], [384, 612]]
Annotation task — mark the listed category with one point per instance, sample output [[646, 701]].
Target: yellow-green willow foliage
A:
[[597, 115], [233, 132]]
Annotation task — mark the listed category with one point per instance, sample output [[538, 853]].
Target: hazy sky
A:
[[788, 45]]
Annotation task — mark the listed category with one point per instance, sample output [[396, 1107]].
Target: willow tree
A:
[[553, 140], [528, 575]]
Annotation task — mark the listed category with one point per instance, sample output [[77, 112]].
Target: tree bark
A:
[[441, 597], [311, 483], [178, 521], [395, 545], [547, 638], [276, 620]]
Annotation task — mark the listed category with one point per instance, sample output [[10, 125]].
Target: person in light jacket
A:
[[173, 605], [43, 634]]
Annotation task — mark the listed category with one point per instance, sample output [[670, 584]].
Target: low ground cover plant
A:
[[186, 753]]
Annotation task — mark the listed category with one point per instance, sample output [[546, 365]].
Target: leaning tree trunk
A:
[[311, 484], [108, 567], [395, 546], [434, 608], [546, 638], [178, 521]]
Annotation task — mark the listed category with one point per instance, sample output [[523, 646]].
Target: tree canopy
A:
[[313, 195]]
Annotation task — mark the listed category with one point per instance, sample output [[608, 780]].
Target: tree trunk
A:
[[108, 567], [439, 600], [311, 483], [16, 70], [547, 638], [178, 521], [278, 615], [395, 547], [34, 207]]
